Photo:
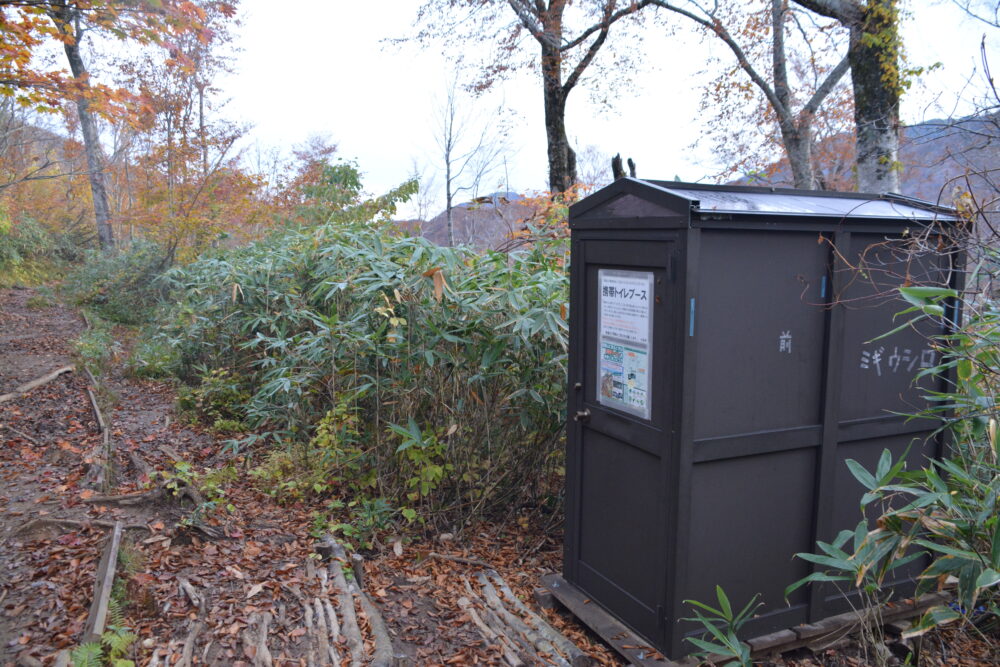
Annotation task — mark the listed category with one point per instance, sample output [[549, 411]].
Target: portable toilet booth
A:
[[722, 368]]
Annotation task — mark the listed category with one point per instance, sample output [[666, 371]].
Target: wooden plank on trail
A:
[[98, 616]]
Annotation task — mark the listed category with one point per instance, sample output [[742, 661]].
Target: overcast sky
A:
[[320, 67]]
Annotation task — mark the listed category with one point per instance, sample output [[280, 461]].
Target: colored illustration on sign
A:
[[625, 332]]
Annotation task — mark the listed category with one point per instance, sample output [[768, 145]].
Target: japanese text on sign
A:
[[882, 361], [625, 332]]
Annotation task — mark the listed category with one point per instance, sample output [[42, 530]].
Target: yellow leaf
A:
[[438, 285]]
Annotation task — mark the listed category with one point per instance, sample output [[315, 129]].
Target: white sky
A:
[[319, 67]]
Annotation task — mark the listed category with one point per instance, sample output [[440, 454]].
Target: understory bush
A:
[[30, 254], [382, 365], [949, 509], [122, 286]]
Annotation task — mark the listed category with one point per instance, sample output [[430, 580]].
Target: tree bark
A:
[[545, 24], [65, 19], [874, 58], [562, 158]]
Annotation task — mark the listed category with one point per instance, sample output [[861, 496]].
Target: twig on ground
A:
[[192, 594], [458, 559], [171, 453], [21, 434], [187, 654]]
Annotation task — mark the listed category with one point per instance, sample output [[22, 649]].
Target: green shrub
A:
[[218, 399], [448, 366], [122, 286], [31, 255], [950, 508], [96, 346]]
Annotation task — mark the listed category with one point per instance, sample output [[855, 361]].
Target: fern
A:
[[90, 654], [118, 639], [116, 609]]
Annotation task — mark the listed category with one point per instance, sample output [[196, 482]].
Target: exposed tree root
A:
[[28, 386]]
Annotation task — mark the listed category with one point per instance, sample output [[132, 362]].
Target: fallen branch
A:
[[28, 386], [489, 634], [21, 434], [98, 617], [140, 465], [349, 627], [192, 594], [516, 624], [384, 654], [171, 453], [98, 460], [331, 617], [313, 642], [511, 642], [187, 654], [576, 657], [328, 655], [263, 657], [134, 498], [458, 559], [35, 523]]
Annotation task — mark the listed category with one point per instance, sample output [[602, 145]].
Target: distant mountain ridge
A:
[[939, 159]]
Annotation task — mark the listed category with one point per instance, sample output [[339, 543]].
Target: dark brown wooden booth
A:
[[721, 370]]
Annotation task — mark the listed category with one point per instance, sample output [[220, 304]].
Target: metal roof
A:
[[742, 199]]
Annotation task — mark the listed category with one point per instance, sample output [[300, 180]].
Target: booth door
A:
[[623, 309]]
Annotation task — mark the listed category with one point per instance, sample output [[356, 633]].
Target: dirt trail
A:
[[219, 580]]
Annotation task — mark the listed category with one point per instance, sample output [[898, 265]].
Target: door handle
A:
[[582, 416]]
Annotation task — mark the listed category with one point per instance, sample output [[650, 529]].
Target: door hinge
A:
[[661, 618]]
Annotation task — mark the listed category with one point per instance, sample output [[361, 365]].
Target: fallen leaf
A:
[[256, 588]]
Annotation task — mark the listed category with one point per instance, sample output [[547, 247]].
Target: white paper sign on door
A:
[[624, 340]]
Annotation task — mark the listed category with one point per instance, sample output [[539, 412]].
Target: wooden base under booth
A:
[[827, 633]]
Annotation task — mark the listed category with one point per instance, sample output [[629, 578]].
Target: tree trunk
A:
[[874, 57], [562, 158], [88, 127], [448, 194], [798, 147]]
